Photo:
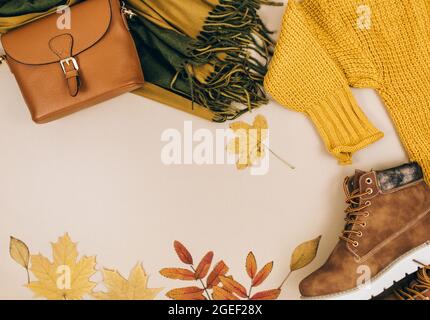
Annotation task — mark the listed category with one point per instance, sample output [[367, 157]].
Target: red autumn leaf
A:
[[233, 286], [189, 293], [267, 295], [204, 266], [182, 252], [220, 269], [178, 274], [251, 265], [222, 294], [262, 274]]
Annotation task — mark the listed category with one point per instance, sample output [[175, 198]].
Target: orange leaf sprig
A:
[[218, 285], [193, 274], [259, 277]]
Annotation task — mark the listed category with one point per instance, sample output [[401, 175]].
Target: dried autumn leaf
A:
[[19, 252], [189, 293], [249, 143], [238, 125], [183, 253], [251, 265], [119, 288], [233, 286], [65, 278], [222, 294], [178, 274], [262, 274], [204, 266], [304, 254], [267, 295], [213, 280], [260, 122]]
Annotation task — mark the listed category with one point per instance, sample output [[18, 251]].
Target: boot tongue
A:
[[354, 181]]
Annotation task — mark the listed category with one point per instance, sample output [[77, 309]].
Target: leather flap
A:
[[30, 44]]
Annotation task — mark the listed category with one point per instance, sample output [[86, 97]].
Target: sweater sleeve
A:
[[303, 76], [329, 26]]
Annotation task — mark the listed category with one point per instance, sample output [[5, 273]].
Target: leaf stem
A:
[[285, 280], [420, 263], [250, 292], [279, 157], [201, 281], [28, 275]]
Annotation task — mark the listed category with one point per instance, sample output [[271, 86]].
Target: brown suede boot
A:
[[387, 228], [413, 287]]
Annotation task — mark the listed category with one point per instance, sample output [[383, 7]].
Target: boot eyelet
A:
[[369, 181], [368, 203], [367, 214], [369, 191], [360, 234], [355, 244], [364, 224]]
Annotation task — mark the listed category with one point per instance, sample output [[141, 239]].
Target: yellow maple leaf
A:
[[249, 141], [65, 278], [119, 288]]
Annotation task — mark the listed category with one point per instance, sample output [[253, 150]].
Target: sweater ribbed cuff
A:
[[424, 162], [343, 126]]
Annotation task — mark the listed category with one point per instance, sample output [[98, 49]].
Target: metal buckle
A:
[[68, 61]]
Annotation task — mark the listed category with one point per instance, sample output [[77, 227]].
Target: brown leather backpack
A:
[[62, 71]]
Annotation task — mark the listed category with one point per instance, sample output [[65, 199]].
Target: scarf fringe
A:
[[238, 45]]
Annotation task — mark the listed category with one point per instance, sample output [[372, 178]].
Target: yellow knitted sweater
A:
[[326, 46]]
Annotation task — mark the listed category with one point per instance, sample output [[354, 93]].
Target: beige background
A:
[[98, 175]]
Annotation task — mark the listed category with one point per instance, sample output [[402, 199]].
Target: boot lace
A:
[[418, 288], [354, 214]]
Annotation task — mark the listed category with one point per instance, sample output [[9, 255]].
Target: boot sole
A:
[[396, 271]]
